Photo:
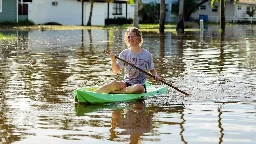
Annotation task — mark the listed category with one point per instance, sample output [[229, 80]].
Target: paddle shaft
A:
[[147, 73]]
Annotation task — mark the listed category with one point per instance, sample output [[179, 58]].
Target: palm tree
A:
[[90, 16]]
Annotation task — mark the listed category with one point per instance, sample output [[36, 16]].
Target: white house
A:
[[233, 13], [69, 12]]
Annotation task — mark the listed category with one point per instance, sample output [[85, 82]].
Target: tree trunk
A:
[[82, 12], [136, 15], [162, 16], [90, 17], [180, 24], [222, 16]]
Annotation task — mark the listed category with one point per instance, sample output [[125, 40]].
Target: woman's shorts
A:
[[145, 89]]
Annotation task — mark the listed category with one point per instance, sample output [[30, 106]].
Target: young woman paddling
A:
[[134, 80]]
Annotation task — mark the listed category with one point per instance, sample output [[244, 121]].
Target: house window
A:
[[203, 7], [248, 9], [25, 0], [0, 5], [117, 9], [215, 9], [239, 7], [23, 7]]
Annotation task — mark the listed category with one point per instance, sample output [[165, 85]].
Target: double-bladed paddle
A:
[[148, 74]]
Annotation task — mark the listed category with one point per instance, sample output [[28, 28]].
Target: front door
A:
[[23, 9]]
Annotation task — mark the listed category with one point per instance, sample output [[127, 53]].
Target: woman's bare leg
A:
[[134, 89], [112, 86]]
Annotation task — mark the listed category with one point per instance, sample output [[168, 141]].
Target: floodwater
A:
[[40, 70]]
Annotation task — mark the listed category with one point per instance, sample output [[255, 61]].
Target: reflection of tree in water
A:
[[162, 67], [176, 63], [222, 56], [182, 127], [81, 51], [220, 125], [90, 40]]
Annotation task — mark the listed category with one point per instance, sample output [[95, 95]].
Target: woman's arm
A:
[[115, 67]]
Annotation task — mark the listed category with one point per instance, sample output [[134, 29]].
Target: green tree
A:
[[149, 12], [190, 6]]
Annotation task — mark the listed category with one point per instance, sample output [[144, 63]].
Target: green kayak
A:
[[86, 94]]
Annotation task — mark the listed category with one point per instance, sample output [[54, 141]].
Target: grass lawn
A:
[[143, 27]]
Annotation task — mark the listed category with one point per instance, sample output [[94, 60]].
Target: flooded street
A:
[[41, 69]]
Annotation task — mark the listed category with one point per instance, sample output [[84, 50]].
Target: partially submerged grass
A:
[[143, 27], [5, 37]]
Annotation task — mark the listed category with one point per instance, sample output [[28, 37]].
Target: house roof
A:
[[253, 2]]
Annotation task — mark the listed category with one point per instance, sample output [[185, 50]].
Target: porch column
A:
[[17, 8], [235, 15], [126, 11], [108, 15]]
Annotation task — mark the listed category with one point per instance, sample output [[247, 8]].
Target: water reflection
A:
[[220, 125], [134, 122]]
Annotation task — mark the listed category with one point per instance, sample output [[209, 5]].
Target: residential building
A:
[[8, 11], [233, 13], [64, 12]]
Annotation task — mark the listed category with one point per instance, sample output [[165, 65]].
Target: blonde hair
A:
[[136, 32]]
